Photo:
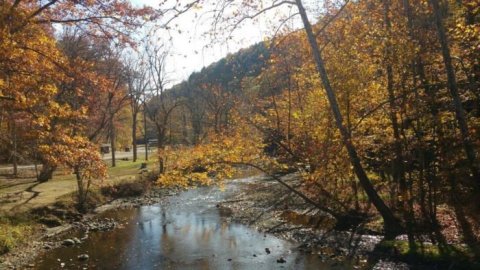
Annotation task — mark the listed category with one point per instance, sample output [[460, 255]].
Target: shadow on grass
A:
[[30, 190]]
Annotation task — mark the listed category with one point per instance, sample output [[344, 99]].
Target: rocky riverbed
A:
[[270, 208]]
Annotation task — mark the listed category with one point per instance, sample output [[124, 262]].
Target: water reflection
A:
[[185, 233]]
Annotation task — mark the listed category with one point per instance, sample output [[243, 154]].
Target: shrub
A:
[[127, 189], [12, 233]]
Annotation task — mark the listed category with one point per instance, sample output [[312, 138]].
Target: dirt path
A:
[[22, 194]]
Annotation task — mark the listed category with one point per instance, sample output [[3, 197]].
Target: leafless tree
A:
[[137, 80], [160, 103]]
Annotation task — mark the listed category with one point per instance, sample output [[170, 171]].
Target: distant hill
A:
[[229, 71], [202, 108]]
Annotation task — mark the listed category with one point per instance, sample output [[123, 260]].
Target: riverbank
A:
[[31, 211], [24, 193], [270, 208], [185, 231], [258, 202], [64, 222]]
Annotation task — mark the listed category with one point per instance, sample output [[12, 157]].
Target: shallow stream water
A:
[[188, 231]]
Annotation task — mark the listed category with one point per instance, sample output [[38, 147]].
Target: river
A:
[[186, 231]]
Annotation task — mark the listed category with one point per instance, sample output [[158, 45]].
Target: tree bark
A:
[[145, 137], [160, 143], [81, 190], [134, 137], [112, 143], [15, 150], [392, 225], [46, 173]]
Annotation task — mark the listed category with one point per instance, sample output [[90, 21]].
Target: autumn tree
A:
[[101, 74], [46, 83]]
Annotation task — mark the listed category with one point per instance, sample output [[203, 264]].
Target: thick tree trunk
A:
[[15, 150], [46, 173], [391, 224], [145, 137], [134, 137], [81, 190], [112, 144], [160, 145], [452, 86]]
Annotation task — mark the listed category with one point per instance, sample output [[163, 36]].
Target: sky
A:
[[191, 50]]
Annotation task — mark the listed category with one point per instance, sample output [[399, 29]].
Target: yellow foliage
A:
[[213, 161]]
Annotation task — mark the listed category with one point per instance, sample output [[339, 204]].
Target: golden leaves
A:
[[211, 162]]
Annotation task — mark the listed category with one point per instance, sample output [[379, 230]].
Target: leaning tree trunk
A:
[[452, 87], [391, 224]]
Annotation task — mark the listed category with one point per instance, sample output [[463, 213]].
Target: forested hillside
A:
[[207, 93]]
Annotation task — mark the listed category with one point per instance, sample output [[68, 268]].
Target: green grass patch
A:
[[460, 257], [14, 231]]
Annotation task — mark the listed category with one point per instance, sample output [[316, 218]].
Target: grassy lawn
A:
[[22, 194]]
